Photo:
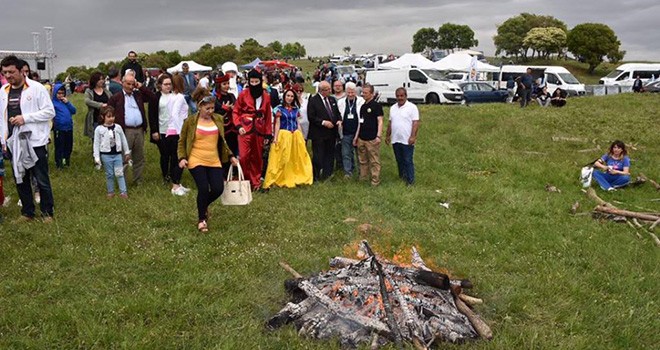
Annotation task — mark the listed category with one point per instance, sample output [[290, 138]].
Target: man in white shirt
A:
[[204, 82], [402, 133]]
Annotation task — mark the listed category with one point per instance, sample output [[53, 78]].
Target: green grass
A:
[[136, 274]]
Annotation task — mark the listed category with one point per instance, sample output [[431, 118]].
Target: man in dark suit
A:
[[129, 113], [324, 121]]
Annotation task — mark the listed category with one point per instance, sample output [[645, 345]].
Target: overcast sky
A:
[[89, 31]]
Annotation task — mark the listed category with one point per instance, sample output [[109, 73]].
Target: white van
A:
[[554, 76], [625, 74], [423, 85]]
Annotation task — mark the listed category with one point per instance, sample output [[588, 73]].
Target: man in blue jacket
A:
[[62, 126]]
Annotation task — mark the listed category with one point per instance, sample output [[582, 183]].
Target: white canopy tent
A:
[[192, 66], [461, 61], [408, 60]]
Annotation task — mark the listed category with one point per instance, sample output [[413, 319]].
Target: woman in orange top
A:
[[202, 149]]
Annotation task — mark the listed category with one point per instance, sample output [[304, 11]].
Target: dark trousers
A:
[[210, 184], [323, 158], [525, 95], [40, 173], [404, 160], [63, 147], [169, 161]]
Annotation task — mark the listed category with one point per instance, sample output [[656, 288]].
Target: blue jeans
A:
[[191, 104], [404, 160], [114, 167], [40, 172], [606, 180], [348, 154]]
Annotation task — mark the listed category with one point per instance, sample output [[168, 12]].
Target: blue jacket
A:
[[64, 112]]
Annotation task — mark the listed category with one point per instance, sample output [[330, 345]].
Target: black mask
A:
[[256, 91]]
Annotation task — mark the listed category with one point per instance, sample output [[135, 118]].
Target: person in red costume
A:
[[253, 118]]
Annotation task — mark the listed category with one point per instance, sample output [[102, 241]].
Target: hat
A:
[[255, 74], [221, 78]]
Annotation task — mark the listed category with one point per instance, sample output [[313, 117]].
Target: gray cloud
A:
[[87, 32]]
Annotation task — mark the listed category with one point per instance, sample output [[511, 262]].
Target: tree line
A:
[[207, 55], [529, 35]]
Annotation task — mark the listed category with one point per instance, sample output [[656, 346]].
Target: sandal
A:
[[202, 226]]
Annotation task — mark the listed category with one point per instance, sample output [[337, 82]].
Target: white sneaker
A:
[[19, 203], [6, 202], [179, 192], [611, 189], [37, 198], [185, 189]]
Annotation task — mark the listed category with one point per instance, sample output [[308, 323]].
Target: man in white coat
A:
[[26, 110]]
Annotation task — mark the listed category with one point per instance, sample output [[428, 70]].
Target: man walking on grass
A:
[[129, 114], [26, 110], [402, 132]]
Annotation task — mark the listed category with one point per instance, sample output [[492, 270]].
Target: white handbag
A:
[[237, 192]]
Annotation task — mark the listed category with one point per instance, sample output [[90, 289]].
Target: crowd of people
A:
[[252, 121], [261, 121], [528, 89]]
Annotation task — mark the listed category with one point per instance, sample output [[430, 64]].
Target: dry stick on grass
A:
[[470, 300], [650, 230], [656, 223], [634, 228], [655, 184], [627, 213], [374, 342], [590, 150], [591, 193]]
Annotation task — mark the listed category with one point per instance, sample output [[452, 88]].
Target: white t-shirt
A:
[[401, 121]]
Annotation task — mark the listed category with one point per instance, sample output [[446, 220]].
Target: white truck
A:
[[553, 76], [423, 86], [625, 74]]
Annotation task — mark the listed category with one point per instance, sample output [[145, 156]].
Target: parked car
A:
[[479, 91], [653, 86]]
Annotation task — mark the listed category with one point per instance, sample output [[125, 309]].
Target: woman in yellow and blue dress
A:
[[289, 164]]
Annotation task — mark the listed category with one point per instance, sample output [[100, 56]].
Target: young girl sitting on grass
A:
[[109, 145], [616, 167]]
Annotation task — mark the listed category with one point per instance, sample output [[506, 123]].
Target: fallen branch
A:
[[591, 193], [655, 184], [656, 223], [570, 139], [589, 150], [634, 228], [626, 213]]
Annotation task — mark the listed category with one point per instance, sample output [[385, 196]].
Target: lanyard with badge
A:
[[351, 108]]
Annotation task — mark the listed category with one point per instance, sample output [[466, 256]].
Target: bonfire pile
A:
[[374, 301]]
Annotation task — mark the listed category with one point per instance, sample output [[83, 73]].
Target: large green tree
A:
[[425, 38], [456, 36], [592, 42], [510, 37]]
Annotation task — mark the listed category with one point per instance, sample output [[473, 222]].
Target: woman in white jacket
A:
[[178, 112]]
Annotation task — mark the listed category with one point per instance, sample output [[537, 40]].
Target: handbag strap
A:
[[241, 177]]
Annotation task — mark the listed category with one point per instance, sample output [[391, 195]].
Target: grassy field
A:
[[136, 274]]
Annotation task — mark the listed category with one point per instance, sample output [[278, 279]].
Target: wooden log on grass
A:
[[591, 193], [627, 213], [479, 325]]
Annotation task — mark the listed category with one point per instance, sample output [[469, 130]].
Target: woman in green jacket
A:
[[202, 149]]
